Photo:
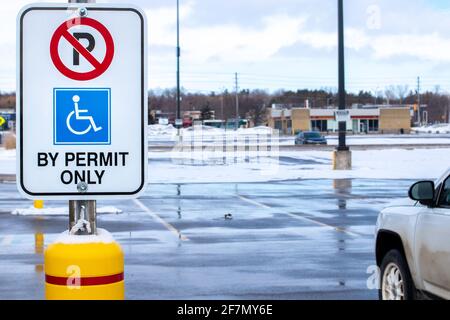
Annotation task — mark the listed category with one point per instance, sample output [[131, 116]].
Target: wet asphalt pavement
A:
[[300, 239]]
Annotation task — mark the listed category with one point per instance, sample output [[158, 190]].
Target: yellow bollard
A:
[[39, 204], [84, 268]]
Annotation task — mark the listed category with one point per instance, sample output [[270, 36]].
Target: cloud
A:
[[285, 37], [8, 16], [223, 41], [432, 47]]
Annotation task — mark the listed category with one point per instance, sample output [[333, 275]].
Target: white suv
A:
[[413, 244]]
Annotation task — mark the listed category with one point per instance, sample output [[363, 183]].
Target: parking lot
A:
[[299, 239]]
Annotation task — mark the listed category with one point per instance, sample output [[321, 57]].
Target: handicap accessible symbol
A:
[[82, 116]]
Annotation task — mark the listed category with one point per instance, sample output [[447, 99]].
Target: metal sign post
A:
[[82, 209]]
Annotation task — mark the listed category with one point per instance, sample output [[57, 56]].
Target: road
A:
[[300, 239]]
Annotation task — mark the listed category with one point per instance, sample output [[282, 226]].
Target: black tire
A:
[[396, 257]]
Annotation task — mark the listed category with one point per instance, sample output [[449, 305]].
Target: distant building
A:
[[161, 117], [197, 115], [363, 119]]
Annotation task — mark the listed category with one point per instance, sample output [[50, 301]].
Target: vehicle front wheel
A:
[[395, 279]]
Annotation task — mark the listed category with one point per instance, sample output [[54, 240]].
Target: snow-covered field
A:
[[213, 167], [185, 167], [229, 164]]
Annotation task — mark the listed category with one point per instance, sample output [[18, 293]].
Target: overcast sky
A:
[[288, 44]]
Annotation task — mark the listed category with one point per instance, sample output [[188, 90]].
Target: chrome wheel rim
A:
[[392, 285]]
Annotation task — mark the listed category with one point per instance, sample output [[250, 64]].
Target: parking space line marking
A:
[[7, 240], [155, 216], [262, 205]]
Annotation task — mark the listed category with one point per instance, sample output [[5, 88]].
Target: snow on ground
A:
[[215, 166], [7, 161], [370, 164], [158, 130], [102, 236], [59, 211], [435, 128], [215, 136], [391, 139]]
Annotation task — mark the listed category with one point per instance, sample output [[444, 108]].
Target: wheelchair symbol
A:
[[77, 113]]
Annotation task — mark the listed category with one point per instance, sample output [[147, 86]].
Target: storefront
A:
[[383, 119]]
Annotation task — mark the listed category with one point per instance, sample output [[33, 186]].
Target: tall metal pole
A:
[[178, 116], [418, 101], [342, 124], [237, 99], [221, 106], [83, 209]]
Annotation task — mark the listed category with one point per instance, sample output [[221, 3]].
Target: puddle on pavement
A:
[[342, 189], [39, 249], [39, 243]]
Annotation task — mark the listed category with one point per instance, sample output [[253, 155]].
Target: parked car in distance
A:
[[310, 137], [413, 244]]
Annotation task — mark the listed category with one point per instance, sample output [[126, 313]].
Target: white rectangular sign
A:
[[342, 115], [82, 101]]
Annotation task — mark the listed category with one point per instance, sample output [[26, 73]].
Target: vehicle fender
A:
[[401, 221]]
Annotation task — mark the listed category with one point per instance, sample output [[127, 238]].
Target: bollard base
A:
[[87, 267], [342, 160]]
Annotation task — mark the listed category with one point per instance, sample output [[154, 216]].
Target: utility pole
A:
[[178, 113], [418, 100], [221, 106], [237, 99]]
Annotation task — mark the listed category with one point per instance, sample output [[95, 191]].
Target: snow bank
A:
[[102, 236], [158, 131], [60, 211], [7, 161], [255, 130], [412, 139], [161, 130], [435, 128]]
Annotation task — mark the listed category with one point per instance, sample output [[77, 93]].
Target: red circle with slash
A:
[[63, 32]]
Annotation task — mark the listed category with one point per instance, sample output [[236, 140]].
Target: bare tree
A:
[[402, 91], [389, 93]]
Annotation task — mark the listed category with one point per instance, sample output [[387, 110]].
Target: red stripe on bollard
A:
[[86, 281]]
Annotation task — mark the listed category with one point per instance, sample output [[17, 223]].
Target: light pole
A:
[[341, 62], [178, 113], [342, 157], [237, 100]]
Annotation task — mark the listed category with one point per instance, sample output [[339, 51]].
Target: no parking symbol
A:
[[63, 32]]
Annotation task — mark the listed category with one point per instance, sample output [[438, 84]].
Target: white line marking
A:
[[155, 216], [295, 216]]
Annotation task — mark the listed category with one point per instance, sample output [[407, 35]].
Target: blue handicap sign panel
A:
[[81, 116]]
